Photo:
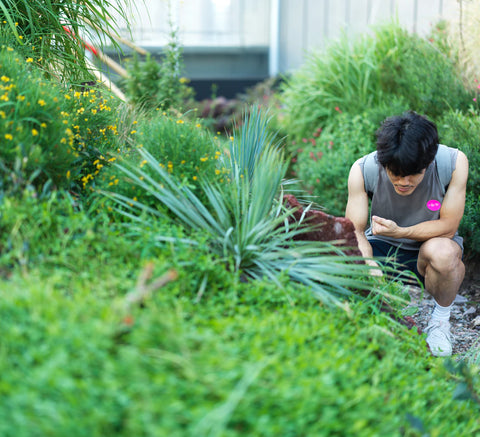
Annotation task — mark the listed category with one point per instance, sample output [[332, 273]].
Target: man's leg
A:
[[440, 262]]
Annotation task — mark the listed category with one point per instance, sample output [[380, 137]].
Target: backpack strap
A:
[[370, 173], [443, 161]]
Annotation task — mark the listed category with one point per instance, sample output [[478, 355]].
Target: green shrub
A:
[[184, 149], [354, 76], [50, 134], [158, 84], [418, 71], [462, 130], [344, 77], [35, 127]]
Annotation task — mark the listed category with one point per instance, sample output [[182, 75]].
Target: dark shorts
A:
[[400, 259]]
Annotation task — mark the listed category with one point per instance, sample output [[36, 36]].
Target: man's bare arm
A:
[[357, 212]]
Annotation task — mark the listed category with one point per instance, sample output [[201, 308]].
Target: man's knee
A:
[[443, 254]]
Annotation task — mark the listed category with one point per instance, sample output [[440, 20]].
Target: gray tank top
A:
[[420, 206]]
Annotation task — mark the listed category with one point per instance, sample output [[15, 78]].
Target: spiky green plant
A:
[[54, 28], [244, 221]]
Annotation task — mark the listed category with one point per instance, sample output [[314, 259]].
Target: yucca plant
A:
[[244, 220], [54, 29]]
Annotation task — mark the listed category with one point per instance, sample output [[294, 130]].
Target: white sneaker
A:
[[439, 338]]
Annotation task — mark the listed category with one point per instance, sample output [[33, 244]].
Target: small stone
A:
[[476, 321], [470, 310], [460, 299]]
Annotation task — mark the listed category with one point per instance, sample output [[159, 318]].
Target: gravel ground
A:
[[465, 318]]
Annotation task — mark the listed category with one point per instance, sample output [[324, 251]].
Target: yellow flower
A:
[[8, 137], [29, 59], [133, 132], [77, 94], [217, 171], [34, 132], [67, 96], [20, 98], [4, 98], [2, 114], [43, 125], [231, 138], [180, 122], [68, 174], [41, 102], [198, 125], [195, 178], [204, 159]]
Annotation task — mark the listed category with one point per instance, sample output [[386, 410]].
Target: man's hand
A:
[[387, 228], [375, 271]]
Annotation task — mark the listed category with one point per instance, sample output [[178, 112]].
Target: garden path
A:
[[465, 317]]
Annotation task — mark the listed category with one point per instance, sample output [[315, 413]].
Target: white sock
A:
[[441, 313]]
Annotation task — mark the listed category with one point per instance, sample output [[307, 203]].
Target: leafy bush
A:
[[344, 77], [462, 130], [50, 134], [429, 87], [184, 149], [323, 163], [351, 77], [158, 84], [35, 127]]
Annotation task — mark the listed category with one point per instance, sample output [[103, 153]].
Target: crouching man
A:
[[417, 190]]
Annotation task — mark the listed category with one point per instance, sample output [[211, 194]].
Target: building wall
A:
[[285, 30], [309, 24]]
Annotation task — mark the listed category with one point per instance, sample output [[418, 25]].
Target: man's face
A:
[[405, 185]]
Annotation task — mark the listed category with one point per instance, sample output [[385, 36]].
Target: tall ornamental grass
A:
[[354, 76], [56, 29]]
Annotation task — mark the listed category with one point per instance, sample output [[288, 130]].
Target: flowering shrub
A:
[[185, 149], [35, 129], [323, 161], [47, 131]]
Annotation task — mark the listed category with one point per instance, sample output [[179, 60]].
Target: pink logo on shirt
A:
[[434, 205]]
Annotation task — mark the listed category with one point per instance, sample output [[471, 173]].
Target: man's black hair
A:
[[407, 144]]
